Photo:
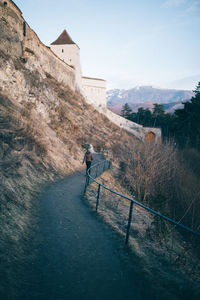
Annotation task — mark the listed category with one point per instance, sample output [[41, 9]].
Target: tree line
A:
[[182, 126]]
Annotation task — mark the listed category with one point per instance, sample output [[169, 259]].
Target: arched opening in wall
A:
[[150, 136], [62, 50], [5, 4]]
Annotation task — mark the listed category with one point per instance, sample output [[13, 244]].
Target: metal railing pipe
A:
[[140, 205]]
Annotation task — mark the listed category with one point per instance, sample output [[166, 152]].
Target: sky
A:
[[126, 42]]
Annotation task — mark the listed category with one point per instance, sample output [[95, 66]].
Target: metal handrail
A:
[[132, 201]]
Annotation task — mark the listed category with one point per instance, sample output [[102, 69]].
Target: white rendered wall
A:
[[70, 53], [94, 91], [138, 130]]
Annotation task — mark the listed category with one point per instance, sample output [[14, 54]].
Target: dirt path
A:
[[79, 257]]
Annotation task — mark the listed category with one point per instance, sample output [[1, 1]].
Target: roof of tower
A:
[[63, 39]]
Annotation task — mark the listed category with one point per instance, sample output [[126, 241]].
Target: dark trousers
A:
[[88, 165]]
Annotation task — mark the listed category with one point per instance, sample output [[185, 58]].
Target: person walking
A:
[[88, 158]]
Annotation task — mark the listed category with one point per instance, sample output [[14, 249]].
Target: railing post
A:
[[86, 183], [98, 194], [88, 180], [129, 222]]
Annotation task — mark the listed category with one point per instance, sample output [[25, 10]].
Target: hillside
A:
[[41, 136], [44, 123], [145, 96]]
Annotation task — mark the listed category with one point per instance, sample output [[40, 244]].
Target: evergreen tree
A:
[[126, 111], [158, 115], [187, 123], [183, 126]]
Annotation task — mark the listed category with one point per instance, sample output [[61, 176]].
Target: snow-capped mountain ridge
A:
[[145, 96]]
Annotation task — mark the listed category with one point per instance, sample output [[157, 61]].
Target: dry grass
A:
[[43, 129], [43, 126], [166, 258], [21, 170], [163, 178], [166, 180]]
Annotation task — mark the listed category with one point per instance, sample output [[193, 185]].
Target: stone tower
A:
[[65, 48]]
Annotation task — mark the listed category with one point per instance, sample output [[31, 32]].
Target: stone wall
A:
[[70, 54], [11, 34], [40, 56], [94, 91], [19, 40], [27, 46], [137, 130]]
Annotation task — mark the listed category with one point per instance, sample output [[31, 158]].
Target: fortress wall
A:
[[9, 4], [11, 24], [94, 91], [155, 131], [131, 127], [36, 54], [40, 56], [138, 130], [70, 53]]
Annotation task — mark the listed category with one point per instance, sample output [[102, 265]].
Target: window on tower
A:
[[62, 50]]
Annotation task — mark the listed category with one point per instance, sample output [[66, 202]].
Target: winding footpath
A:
[[79, 256]]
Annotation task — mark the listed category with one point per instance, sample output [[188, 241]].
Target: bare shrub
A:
[[159, 177]]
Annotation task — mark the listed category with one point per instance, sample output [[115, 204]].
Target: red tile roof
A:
[[63, 39]]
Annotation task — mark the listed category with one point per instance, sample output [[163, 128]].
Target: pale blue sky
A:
[[126, 42]]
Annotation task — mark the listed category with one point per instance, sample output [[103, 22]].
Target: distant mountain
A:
[[146, 96]]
